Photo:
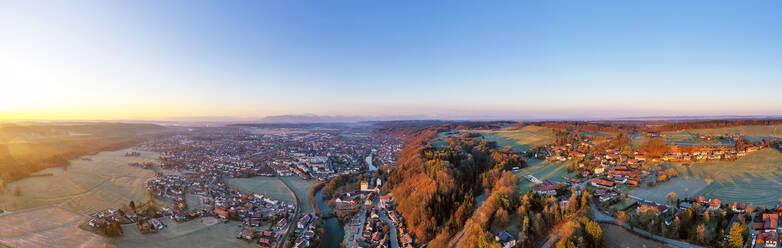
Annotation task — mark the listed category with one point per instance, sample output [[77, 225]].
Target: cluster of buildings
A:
[[306, 153]]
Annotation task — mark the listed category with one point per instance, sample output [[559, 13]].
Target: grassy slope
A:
[[756, 178]]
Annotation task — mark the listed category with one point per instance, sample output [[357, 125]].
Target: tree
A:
[[672, 198], [621, 217], [132, 205], [700, 234], [572, 205], [654, 147], [595, 234], [673, 230], [501, 218], [738, 235]]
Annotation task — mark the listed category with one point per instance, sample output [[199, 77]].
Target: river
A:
[[333, 230], [369, 162]]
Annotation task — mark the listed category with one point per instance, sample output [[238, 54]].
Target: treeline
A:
[[647, 126], [717, 124], [583, 126], [435, 188]]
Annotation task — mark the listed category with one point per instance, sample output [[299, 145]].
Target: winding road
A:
[[293, 219], [604, 218]]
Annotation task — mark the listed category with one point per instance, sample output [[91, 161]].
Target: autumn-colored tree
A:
[[572, 205], [672, 198], [594, 234], [738, 235], [654, 147], [621, 217]]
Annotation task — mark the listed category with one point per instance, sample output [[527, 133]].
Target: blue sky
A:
[[445, 59]]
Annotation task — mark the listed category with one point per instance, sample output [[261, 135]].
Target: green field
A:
[[755, 178], [85, 186], [302, 189], [270, 186], [553, 171], [273, 187], [519, 139]]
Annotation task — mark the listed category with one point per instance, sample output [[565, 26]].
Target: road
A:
[[604, 218], [384, 217], [454, 242], [294, 219], [362, 215]]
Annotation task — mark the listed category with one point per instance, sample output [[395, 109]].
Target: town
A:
[[193, 169]]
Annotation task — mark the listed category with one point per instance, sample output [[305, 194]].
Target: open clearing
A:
[[617, 237], [47, 227], [85, 186], [755, 178]]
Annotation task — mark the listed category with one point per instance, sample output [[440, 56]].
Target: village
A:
[[608, 172]]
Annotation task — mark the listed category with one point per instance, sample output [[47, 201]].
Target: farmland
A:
[[756, 179], [46, 227], [85, 186]]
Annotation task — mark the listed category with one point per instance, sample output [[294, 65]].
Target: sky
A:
[[118, 60]]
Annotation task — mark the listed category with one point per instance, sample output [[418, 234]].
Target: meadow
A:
[[274, 187], [519, 139], [755, 178], [105, 181], [543, 170], [270, 186], [201, 232], [302, 189], [46, 227]]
